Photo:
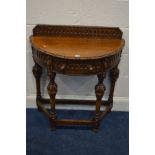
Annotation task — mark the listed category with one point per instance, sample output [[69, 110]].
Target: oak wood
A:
[[99, 91], [37, 72], [104, 113], [76, 50], [52, 90], [74, 101], [78, 31], [114, 74], [74, 122], [42, 108]]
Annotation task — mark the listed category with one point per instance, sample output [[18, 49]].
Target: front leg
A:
[[99, 91], [52, 90]]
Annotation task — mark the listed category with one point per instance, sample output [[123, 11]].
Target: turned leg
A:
[[37, 72], [99, 91], [114, 73], [52, 90]]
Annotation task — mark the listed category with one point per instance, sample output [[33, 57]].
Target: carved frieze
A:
[[78, 31], [68, 66]]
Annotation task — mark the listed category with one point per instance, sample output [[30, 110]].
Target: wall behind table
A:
[[79, 12]]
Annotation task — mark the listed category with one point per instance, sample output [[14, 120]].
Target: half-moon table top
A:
[[77, 47]]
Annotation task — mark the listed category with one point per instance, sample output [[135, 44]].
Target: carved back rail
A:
[[78, 31]]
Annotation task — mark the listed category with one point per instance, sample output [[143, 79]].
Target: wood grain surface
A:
[[76, 47]]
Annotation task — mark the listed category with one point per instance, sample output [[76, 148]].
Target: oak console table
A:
[[76, 50]]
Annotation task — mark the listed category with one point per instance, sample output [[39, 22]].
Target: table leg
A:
[[99, 91], [114, 74], [37, 72], [52, 90]]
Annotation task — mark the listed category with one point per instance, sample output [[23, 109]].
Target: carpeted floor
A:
[[112, 138]]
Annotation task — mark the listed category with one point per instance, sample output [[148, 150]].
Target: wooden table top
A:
[[77, 47]]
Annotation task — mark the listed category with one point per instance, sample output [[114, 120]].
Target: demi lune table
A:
[[76, 50]]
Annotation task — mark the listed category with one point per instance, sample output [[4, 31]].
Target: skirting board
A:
[[120, 103]]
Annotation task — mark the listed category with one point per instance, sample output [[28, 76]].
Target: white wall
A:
[[79, 12]]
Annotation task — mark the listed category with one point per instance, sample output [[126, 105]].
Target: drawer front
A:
[[76, 66]]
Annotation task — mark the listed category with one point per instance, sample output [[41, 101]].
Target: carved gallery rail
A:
[[76, 50]]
